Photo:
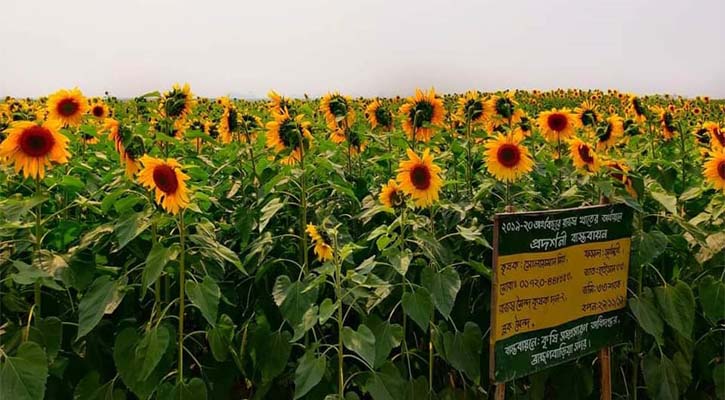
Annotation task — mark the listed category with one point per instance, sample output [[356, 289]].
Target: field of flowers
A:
[[171, 246]]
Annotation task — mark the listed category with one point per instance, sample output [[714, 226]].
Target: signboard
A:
[[559, 286]]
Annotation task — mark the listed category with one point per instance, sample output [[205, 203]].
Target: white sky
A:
[[373, 47]]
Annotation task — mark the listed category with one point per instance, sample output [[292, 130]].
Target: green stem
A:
[[182, 296], [303, 202], [469, 166], [338, 295], [430, 361], [38, 239]]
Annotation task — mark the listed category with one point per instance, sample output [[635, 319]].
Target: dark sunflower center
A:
[[637, 105], [338, 106], [721, 169], [420, 177], [557, 122], [606, 133], [213, 131], [702, 136], [395, 198], [97, 111], [618, 172], [68, 107], [288, 133], [585, 153], [36, 141], [474, 109], [668, 121], [249, 121], [508, 155], [422, 113], [525, 124], [325, 237], [589, 118], [165, 179], [504, 107], [384, 117], [355, 139], [232, 120]]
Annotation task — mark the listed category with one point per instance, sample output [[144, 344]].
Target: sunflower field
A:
[[171, 246]]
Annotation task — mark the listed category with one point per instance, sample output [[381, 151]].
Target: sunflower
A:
[[391, 195], [168, 182], [702, 139], [587, 114], [67, 107], [636, 109], [714, 170], [506, 158], [696, 111], [99, 110], [420, 114], [666, 121], [557, 125], [620, 172], [284, 134], [419, 178], [337, 108], [250, 124], [323, 250], [502, 110], [471, 107], [278, 104], [609, 134], [177, 102], [717, 135], [229, 123], [130, 147], [378, 115], [33, 147], [583, 156]]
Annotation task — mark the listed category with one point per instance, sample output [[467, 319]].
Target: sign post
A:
[[559, 287]]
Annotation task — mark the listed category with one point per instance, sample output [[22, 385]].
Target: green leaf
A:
[[151, 349], [129, 365], [292, 299], [23, 376], [401, 262], [130, 227], [385, 384], [268, 211], [677, 304], [93, 304], [718, 376], [195, 389], [463, 350], [659, 376], [309, 373], [220, 338], [274, 353], [712, 298], [71, 184], [362, 342], [387, 337], [419, 307], [155, 263], [309, 319], [327, 308], [205, 296], [683, 370], [443, 286], [48, 332], [647, 315], [648, 247], [668, 201]]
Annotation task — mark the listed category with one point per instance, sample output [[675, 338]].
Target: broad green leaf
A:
[[274, 354], [151, 349], [647, 315], [93, 304], [683, 370], [309, 319], [220, 338], [712, 298], [129, 365], [362, 342], [648, 247], [205, 296], [401, 262], [387, 337], [23, 376], [419, 307], [659, 376], [268, 211], [128, 228], [50, 332], [155, 263], [385, 384], [443, 286], [292, 299], [309, 372], [327, 308], [463, 350], [668, 201], [677, 304], [195, 389]]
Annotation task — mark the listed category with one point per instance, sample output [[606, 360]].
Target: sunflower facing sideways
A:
[[278, 103], [33, 147], [583, 156], [717, 135], [250, 124], [284, 134], [177, 102], [67, 107], [323, 250], [557, 124], [421, 113], [167, 181], [120, 135], [714, 170], [507, 159], [472, 108], [379, 115], [636, 109], [229, 123], [502, 110], [391, 195], [666, 120], [619, 171], [609, 134], [419, 178], [587, 114], [337, 109]]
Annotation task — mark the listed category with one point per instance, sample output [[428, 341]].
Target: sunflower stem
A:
[[469, 166], [182, 296], [340, 325], [38, 239], [303, 202]]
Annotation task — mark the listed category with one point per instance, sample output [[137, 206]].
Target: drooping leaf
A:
[[93, 304], [443, 286], [155, 263], [419, 307], [220, 338], [647, 314], [659, 376], [23, 376], [385, 384], [205, 296], [309, 373], [387, 337], [151, 349], [463, 350], [677, 304], [362, 342]]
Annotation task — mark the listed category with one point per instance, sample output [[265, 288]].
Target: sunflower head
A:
[[666, 120], [619, 171], [583, 156], [420, 178], [507, 159], [229, 123], [714, 170], [379, 115], [502, 110], [177, 102], [608, 134], [168, 182], [279, 104], [636, 109], [99, 110], [32, 147], [337, 108], [471, 107], [421, 113], [391, 195], [67, 107], [557, 124], [322, 242], [289, 136], [717, 135], [587, 114]]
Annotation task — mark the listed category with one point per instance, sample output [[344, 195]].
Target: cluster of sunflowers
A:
[[419, 161]]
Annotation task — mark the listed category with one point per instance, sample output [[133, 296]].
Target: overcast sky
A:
[[361, 48]]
